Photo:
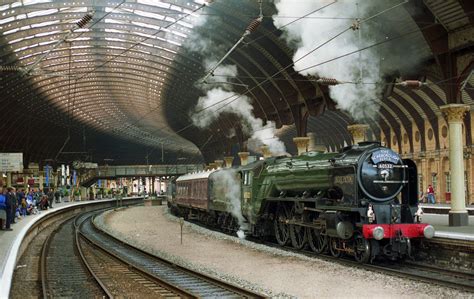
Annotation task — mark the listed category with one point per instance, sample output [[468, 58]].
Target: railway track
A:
[[62, 271], [194, 283], [122, 280], [39, 250], [412, 270], [416, 271], [28, 266], [70, 258], [445, 277]]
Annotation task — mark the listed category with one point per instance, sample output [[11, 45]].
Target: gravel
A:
[[271, 271]]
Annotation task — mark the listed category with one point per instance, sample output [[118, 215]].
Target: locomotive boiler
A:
[[361, 201]]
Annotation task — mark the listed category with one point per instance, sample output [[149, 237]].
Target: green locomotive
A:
[[361, 201]]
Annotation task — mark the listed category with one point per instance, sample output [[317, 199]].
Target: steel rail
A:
[[179, 292], [47, 288], [179, 270], [464, 281], [87, 265], [44, 276], [459, 280]]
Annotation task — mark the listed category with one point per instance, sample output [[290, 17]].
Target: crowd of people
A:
[[15, 205]]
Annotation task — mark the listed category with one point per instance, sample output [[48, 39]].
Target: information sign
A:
[[11, 162]]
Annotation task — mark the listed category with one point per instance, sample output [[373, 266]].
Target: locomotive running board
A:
[[290, 199], [389, 182]]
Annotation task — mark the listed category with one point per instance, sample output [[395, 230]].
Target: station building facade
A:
[[433, 162]]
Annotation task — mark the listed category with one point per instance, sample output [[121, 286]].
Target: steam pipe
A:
[[80, 24], [250, 28]]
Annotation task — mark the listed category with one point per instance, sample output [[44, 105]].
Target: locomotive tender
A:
[[361, 201]]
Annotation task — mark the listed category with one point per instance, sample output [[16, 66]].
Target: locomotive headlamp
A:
[[378, 233], [429, 231]]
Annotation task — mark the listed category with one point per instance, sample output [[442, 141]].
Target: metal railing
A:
[[111, 172]]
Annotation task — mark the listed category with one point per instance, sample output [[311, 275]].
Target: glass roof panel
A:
[[121, 60]]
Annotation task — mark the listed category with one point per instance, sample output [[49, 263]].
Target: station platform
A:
[[443, 230], [438, 216], [442, 208], [10, 241]]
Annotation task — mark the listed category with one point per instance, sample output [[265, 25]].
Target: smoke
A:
[[360, 100], [222, 99], [227, 182], [220, 94]]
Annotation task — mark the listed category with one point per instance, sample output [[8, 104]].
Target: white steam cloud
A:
[[227, 180], [222, 99], [220, 96], [309, 33]]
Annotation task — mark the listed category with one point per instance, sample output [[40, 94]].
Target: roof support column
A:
[[454, 114], [358, 132], [301, 144], [300, 115], [313, 145]]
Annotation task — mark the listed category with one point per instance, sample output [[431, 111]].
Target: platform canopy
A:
[[122, 80]]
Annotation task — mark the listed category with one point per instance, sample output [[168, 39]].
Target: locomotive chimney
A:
[[228, 161], [244, 157], [301, 144], [266, 151], [219, 163], [358, 132]]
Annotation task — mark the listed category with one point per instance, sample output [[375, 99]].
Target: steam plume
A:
[[220, 96], [230, 184], [211, 106], [361, 100]]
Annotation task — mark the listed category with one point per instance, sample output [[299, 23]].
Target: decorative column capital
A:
[[211, 166], [219, 163], [243, 157], [228, 161], [302, 144], [358, 132], [454, 113], [266, 151]]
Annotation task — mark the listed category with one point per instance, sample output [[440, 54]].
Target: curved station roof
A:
[[140, 81]]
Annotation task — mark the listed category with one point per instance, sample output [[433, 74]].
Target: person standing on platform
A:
[[3, 210], [430, 194], [50, 197], [57, 196], [10, 204], [11, 197]]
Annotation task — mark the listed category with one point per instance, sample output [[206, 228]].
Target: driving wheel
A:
[[317, 240], [361, 249], [282, 229]]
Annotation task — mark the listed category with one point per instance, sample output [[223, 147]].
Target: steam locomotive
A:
[[361, 201]]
